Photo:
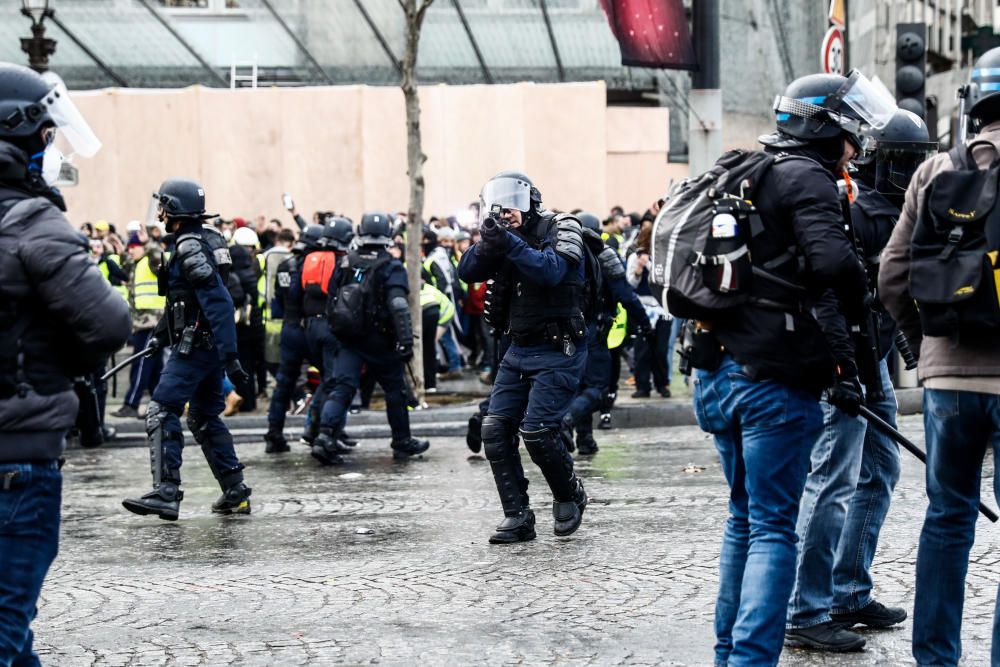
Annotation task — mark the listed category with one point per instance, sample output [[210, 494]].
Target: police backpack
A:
[[700, 251], [317, 268], [352, 310], [954, 267]]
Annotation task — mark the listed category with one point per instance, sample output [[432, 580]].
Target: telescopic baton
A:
[[126, 362], [886, 428]]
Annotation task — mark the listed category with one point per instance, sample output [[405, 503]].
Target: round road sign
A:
[[832, 51]]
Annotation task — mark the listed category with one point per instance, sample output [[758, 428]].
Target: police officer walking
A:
[[537, 262], [369, 314], [293, 338], [613, 290], [60, 319], [199, 326]]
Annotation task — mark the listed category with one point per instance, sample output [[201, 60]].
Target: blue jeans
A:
[[764, 432], [30, 496], [959, 426], [853, 472], [852, 581], [451, 350]]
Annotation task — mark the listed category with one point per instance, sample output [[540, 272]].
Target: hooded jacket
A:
[[59, 317]]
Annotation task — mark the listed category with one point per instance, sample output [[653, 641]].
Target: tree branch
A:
[[423, 9]]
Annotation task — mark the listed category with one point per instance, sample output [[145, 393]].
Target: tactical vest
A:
[[183, 308], [534, 309]]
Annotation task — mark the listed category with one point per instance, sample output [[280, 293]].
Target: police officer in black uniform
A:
[[59, 318], [612, 289], [293, 338], [200, 329], [374, 329], [537, 260]]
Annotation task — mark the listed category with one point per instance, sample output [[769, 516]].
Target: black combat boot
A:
[[327, 450], [164, 501], [234, 500], [569, 514], [518, 524], [275, 439], [605, 423], [346, 440], [517, 528], [585, 444], [404, 449]]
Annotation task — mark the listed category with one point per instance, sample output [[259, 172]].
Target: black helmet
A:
[[28, 103], [310, 239], [826, 106], [589, 221], [375, 229], [982, 93], [895, 152], [182, 198], [338, 232], [22, 113]]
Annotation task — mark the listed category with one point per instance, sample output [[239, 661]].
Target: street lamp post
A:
[[38, 46]]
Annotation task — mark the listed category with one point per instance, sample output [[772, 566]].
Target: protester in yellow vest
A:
[[110, 267], [147, 309], [438, 312]]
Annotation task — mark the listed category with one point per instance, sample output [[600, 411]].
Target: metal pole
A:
[[705, 114], [847, 36], [552, 40], [379, 37], [473, 42], [298, 42], [190, 49], [83, 47]]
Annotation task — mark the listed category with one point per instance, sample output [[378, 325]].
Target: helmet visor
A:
[[895, 165], [869, 100], [504, 192], [70, 121]]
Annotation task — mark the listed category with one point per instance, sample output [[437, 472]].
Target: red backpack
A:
[[316, 271]]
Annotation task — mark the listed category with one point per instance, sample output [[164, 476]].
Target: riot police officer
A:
[[369, 314], [59, 318], [853, 468], [199, 325], [293, 338], [536, 259], [612, 289]]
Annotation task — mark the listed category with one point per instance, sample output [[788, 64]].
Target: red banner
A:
[[651, 33]]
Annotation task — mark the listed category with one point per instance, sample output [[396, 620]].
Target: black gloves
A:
[[405, 351], [846, 394], [494, 237], [236, 374]]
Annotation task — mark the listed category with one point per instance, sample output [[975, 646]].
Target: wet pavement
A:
[[382, 562]]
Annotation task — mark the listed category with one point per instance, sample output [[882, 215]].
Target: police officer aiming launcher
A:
[[536, 260], [200, 329]]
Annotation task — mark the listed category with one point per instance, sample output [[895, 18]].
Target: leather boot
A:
[[404, 449], [585, 444], [275, 439], [569, 514], [234, 500], [327, 450], [164, 501], [518, 524]]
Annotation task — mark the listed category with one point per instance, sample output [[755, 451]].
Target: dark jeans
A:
[[30, 495], [960, 426], [651, 358], [144, 372], [428, 345], [293, 351], [764, 432]]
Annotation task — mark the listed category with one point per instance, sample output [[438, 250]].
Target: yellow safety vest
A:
[[106, 272], [145, 288], [430, 295], [462, 283], [618, 328], [262, 288]]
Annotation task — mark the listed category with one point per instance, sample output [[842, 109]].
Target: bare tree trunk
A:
[[415, 159]]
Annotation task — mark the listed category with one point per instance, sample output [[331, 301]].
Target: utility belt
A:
[[186, 329], [560, 334]]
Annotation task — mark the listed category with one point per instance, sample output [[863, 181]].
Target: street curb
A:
[[452, 420]]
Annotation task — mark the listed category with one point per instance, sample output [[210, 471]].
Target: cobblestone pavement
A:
[[388, 563]]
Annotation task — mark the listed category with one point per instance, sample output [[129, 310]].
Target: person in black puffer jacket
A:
[[59, 319]]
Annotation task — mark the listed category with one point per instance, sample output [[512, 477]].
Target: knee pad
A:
[[497, 435]]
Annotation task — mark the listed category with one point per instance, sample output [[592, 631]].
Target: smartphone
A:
[[286, 199]]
